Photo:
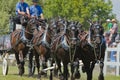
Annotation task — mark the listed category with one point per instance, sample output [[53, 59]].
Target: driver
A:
[[36, 10], [22, 9]]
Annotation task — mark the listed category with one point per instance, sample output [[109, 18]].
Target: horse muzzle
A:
[[98, 40], [32, 30], [73, 42]]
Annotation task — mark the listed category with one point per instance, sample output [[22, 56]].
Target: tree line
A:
[[79, 10]]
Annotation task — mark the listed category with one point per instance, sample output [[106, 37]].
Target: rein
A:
[[28, 32], [72, 56], [99, 49]]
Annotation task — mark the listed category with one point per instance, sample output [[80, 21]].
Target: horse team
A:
[[60, 40]]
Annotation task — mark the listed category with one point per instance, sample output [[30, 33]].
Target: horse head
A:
[[31, 25], [53, 26], [47, 36], [73, 33], [43, 34], [96, 32], [24, 20]]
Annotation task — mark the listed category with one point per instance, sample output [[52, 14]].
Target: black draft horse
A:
[[64, 47], [18, 46], [92, 50]]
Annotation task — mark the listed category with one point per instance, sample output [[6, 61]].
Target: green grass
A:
[[13, 75]]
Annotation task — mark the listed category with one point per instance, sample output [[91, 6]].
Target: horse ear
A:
[[24, 20], [100, 22], [45, 20], [90, 22]]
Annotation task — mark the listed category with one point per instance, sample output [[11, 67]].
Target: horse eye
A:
[[97, 27]]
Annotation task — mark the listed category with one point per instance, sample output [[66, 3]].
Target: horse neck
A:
[[64, 40], [42, 35], [47, 36], [83, 35], [28, 34]]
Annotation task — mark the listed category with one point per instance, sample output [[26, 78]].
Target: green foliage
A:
[[80, 10], [7, 8]]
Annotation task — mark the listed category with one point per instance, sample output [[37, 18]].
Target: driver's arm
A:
[[20, 12]]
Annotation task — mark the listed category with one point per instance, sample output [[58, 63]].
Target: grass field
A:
[[13, 75]]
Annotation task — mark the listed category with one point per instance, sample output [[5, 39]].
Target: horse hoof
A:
[[83, 69], [55, 72], [68, 74], [56, 75], [20, 73], [43, 73], [61, 77], [39, 76], [101, 77], [20, 69], [30, 75], [72, 78], [77, 75]]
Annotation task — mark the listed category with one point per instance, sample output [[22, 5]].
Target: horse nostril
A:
[[74, 42], [33, 29], [98, 40]]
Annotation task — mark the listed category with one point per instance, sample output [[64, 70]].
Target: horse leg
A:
[[77, 73], [30, 64], [101, 76], [72, 71], [75, 67], [17, 58], [88, 71], [50, 62], [18, 61], [92, 67], [65, 72], [51, 65], [44, 65], [21, 66], [37, 63], [58, 62]]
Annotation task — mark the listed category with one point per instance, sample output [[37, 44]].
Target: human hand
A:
[[28, 16], [23, 13]]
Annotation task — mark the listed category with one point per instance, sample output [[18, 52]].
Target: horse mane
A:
[[16, 32]]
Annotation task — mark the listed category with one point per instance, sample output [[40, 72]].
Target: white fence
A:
[[115, 64]]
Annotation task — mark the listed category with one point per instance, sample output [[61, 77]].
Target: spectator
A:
[[106, 35], [114, 30], [109, 24], [113, 53], [117, 38]]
